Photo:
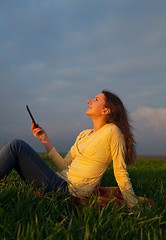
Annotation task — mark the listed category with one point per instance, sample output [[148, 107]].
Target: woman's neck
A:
[[98, 124]]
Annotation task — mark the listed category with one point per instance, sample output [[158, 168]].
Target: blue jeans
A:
[[30, 166]]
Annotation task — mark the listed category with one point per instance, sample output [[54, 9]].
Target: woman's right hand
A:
[[39, 133]]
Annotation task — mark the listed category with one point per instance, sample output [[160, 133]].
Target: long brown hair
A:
[[119, 116]]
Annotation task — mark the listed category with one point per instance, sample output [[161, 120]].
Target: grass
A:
[[24, 216]]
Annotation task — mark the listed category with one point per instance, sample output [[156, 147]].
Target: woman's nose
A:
[[89, 102]]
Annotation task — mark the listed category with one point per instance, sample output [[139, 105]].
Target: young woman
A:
[[81, 170]]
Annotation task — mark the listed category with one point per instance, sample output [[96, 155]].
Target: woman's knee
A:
[[17, 142]]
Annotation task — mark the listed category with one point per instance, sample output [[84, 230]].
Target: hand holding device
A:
[[38, 132]]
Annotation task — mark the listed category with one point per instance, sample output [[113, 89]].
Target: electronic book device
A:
[[35, 124]]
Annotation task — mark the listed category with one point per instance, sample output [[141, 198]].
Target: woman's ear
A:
[[106, 111]]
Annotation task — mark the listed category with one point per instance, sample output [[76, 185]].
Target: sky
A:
[[57, 54]]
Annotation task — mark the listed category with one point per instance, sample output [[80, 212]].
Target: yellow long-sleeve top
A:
[[88, 159]]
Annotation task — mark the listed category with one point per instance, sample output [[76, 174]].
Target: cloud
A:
[[153, 119], [150, 130]]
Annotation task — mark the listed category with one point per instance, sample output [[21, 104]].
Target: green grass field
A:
[[24, 216]]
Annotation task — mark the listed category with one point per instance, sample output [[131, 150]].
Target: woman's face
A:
[[96, 106]]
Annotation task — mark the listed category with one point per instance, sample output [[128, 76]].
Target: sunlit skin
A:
[[96, 111], [40, 134]]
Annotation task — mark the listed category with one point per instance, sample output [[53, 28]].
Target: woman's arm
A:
[[60, 163], [123, 181], [120, 169]]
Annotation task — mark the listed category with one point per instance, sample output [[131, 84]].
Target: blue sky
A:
[[55, 55]]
